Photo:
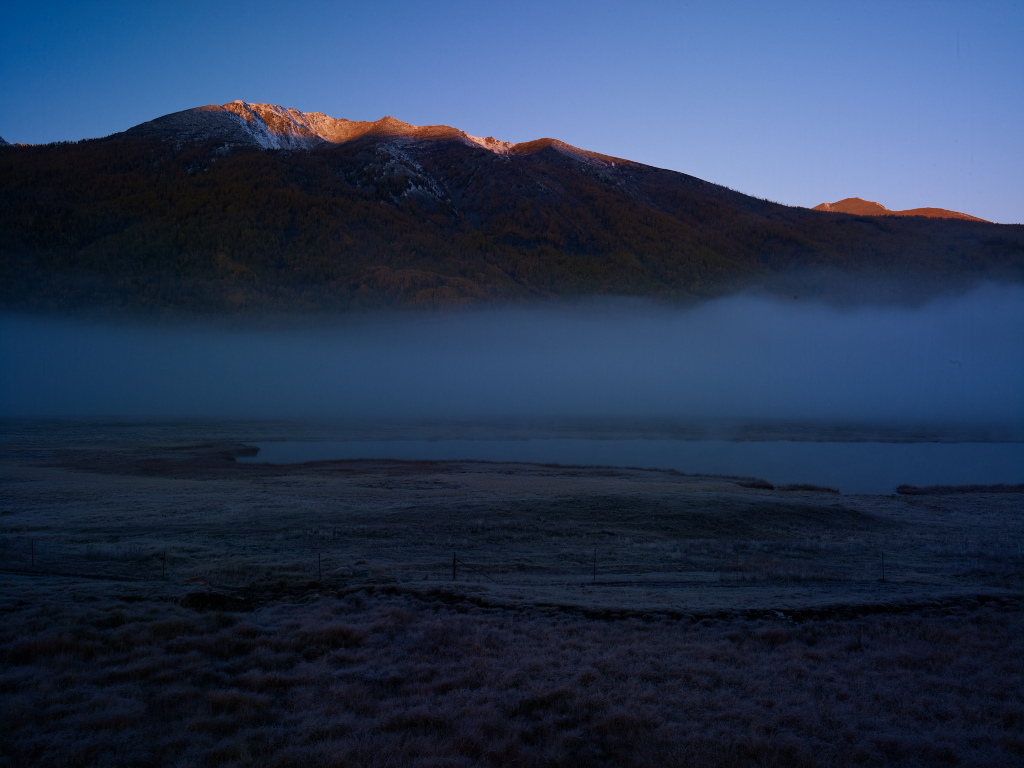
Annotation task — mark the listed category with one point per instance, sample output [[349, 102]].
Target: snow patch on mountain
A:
[[274, 127], [398, 162], [494, 145]]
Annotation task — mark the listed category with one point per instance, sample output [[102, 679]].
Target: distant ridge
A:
[[859, 207], [4, 143]]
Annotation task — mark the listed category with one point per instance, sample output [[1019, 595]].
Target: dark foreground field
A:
[[163, 604]]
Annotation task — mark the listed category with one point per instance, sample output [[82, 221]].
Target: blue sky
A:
[[905, 103]]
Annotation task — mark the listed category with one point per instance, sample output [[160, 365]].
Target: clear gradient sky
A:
[[906, 103]]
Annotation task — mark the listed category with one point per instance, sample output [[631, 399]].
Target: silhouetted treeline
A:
[[143, 223]]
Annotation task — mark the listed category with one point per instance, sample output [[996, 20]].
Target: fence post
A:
[[319, 571], [453, 565], [163, 566], [595, 565], [883, 566], [32, 546]]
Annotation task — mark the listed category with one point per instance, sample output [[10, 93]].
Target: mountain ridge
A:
[[249, 208], [271, 126], [860, 207]]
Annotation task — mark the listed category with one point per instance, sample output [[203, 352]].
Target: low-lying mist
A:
[[958, 359]]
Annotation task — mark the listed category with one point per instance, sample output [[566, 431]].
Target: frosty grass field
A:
[[165, 604]]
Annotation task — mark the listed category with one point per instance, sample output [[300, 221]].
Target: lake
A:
[[850, 467]]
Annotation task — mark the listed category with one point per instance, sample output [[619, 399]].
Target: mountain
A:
[[3, 143], [269, 126], [253, 207], [860, 207]]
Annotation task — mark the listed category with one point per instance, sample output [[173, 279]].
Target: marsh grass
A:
[[726, 625], [375, 679]]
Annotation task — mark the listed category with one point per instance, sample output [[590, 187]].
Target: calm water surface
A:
[[851, 467]]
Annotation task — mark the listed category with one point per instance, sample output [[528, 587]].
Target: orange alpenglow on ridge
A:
[[859, 207], [271, 126]]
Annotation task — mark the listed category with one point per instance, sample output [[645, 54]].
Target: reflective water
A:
[[850, 467]]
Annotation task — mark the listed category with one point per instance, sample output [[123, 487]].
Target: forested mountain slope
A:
[[201, 211]]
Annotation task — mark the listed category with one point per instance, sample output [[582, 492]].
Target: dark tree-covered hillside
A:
[[142, 222]]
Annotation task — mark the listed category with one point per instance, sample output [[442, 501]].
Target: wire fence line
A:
[[136, 562], [123, 562]]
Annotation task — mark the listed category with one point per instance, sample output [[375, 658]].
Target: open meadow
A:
[[163, 603]]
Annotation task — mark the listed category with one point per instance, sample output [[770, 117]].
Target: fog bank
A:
[[953, 360]]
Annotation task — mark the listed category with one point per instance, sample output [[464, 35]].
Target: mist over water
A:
[[954, 360]]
